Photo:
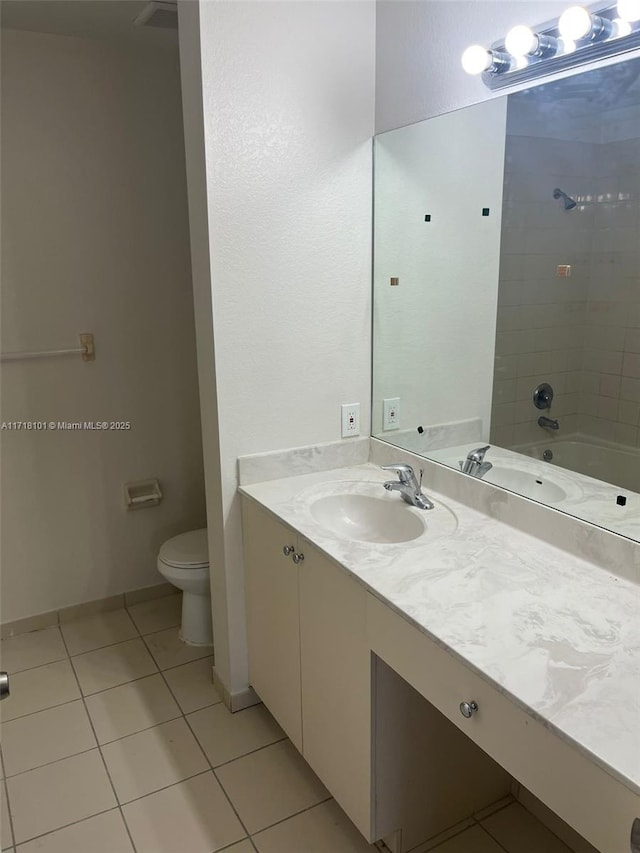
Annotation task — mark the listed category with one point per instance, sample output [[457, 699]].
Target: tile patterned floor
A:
[[114, 740]]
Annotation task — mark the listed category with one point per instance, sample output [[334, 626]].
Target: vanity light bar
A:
[[581, 34]]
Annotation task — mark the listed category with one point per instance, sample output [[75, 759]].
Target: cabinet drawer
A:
[[595, 804]]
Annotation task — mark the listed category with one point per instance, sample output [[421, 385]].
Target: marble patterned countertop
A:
[[558, 635]]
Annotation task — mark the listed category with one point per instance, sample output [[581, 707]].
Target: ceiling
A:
[[101, 19]]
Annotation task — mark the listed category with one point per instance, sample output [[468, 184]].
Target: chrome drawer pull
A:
[[288, 549], [298, 558], [468, 709]]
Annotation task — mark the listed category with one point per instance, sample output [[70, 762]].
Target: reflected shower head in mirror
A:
[[569, 203]]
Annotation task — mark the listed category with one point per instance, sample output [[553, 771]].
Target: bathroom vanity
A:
[[418, 678]]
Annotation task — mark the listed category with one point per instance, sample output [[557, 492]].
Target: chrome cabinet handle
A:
[[288, 550], [298, 558], [4, 685], [468, 709]]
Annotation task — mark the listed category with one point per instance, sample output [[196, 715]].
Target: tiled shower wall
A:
[[581, 333], [610, 400]]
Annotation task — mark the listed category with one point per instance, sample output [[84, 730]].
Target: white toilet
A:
[[184, 562]]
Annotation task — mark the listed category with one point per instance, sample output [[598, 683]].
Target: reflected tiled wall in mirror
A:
[[579, 332]]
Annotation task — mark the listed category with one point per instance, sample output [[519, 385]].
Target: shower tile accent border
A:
[[260, 467], [52, 618]]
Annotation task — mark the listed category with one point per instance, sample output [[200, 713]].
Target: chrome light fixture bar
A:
[[581, 34]]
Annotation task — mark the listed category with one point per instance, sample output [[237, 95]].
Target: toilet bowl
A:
[[184, 562]]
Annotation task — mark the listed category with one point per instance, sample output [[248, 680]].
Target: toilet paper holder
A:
[[142, 494]]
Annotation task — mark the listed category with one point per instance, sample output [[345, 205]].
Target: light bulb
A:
[[566, 46], [476, 59], [629, 10], [575, 23], [621, 28], [521, 40]]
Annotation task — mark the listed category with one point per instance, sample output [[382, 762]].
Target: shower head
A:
[[569, 203]]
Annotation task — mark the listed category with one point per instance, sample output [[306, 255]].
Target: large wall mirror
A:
[[507, 292]]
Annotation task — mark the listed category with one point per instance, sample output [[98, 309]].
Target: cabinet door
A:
[[336, 683], [273, 624]]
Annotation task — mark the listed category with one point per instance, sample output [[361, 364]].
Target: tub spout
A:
[[549, 423]]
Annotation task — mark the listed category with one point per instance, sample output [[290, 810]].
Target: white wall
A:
[[193, 117], [95, 238], [440, 319], [288, 108]]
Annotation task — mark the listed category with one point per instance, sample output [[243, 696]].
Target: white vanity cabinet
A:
[[273, 617], [582, 793], [374, 705], [308, 656]]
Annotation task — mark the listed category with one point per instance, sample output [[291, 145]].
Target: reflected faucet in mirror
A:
[[474, 465], [409, 487]]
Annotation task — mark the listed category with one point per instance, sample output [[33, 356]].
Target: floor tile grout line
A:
[[6, 793], [295, 814], [81, 696], [173, 666], [140, 731], [494, 811], [31, 668], [49, 763], [462, 829], [226, 763], [66, 826], [166, 787], [507, 805], [68, 654], [138, 636], [495, 840], [245, 754], [211, 769], [104, 763], [40, 710]]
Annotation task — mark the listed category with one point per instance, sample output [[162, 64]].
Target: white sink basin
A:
[[367, 519], [527, 483], [364, 512]]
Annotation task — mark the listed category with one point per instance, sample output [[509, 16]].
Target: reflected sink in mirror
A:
[[364, 512], [527, 484]]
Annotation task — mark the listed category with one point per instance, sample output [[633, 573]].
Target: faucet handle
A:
[[477, 455], [404, 472]]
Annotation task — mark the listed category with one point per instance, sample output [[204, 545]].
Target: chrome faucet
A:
[[549, 423], [408, 486], [475, 464]]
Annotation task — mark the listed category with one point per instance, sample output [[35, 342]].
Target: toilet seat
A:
[[186, 551]]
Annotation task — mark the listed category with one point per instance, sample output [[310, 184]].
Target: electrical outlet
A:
[[350, 419], [391, 413]]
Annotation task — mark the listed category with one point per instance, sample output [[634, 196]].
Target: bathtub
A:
[[617, 464]]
